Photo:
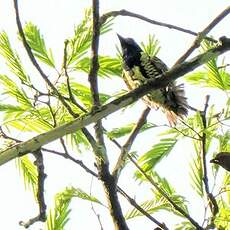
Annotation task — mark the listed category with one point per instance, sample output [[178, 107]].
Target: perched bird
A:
[[140, 67], [222, 159]]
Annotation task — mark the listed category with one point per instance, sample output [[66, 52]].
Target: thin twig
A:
[[223, 66], [141, 17], [202, 35], [165, 195], [190, 127], [211, 199], [186, 135], [127, 146], [92, 207], [79, 162], [71, 96], [40, 192], [141, 210]]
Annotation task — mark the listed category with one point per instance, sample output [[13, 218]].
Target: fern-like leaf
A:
[[160, 150], [29, 172], [152, 47], [125, 130], [12, 59], [37, 44]]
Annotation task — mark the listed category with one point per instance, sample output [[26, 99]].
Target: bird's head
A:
[[131, 51], [222, 159], [128, 45]]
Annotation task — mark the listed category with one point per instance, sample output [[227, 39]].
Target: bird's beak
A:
[[122, 40], [214, 161]]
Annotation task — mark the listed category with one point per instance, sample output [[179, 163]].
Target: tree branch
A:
[[71, 96], [211, 199], [165, 195], [134, 15], [40, 193], [160, 82], [202, 35], [127, 146], [107, 179], [141, 210]]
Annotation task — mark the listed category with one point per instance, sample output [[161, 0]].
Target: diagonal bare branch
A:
[[202, 35], [127, 146], [141, 17]]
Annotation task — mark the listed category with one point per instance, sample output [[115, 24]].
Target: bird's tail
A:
[[175, 104]]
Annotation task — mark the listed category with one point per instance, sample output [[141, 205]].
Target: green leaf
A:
[[15, 109], [12, 59], [224, 143], [71, 192], [37, 44], [78, 141], [29, 172], [108, 66], [149, 159], [196, 175], [10, 88], [214, 76], [79, 45], [82, 93], [27, 124], [28, 119], [150, 206], [171, 192], [125, 130], [222, 219], [160, 202], [152, 47], [226, 186], [185, 225], [58, 217]]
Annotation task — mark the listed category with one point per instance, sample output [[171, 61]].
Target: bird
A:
[[222, 159], [139, 67]]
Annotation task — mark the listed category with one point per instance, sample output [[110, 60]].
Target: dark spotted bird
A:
[[140, 67], [222, 159]]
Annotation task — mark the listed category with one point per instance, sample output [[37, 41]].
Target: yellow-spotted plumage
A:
[[139, 68]]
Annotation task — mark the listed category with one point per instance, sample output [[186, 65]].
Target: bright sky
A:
[[56, 19]]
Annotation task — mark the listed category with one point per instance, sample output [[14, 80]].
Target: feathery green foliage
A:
[[37, 44], [160, 150], [108, 66], [159, 202], [29, 172], [79, 45], [214, 76], [60, 215], [12, 58], [152, 47], [125, 130], [196, 175]]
